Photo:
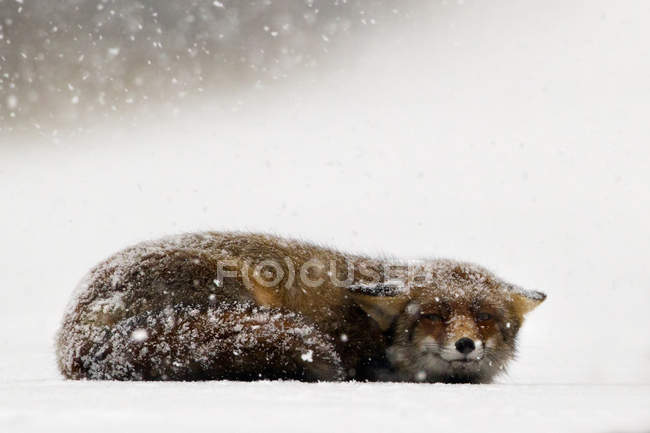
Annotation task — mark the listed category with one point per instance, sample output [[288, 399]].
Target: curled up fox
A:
[[208, 306]]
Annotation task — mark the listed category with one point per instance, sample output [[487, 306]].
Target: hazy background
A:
[[513, 134]]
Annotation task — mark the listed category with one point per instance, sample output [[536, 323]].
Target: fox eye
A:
[[482, 317], [432, 316]]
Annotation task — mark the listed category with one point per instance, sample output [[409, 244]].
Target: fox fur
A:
[[239, 306]]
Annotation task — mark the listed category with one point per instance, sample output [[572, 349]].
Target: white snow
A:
[[307, 356], [510, 134], [55, 406], [139, 335], [12, 102]]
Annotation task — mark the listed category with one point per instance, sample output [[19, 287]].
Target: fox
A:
[[246, 306]]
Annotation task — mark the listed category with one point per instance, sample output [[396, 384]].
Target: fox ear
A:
[[381, 301], [525, 300]]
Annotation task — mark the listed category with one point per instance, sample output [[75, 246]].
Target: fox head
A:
[[461, 326]]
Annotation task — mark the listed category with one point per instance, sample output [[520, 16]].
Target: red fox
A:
[[238, 306]]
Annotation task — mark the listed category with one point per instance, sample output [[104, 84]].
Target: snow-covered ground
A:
[[297, 407], [507, 133]]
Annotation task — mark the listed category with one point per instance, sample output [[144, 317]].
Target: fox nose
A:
[[465, 345]]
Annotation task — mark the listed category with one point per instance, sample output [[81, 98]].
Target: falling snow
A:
[[123, 54]]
